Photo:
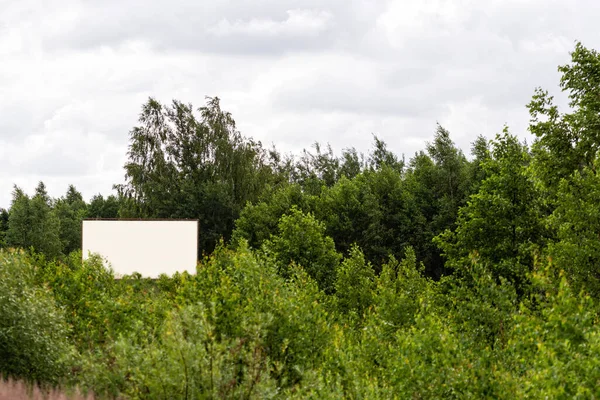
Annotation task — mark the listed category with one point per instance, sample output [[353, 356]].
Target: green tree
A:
[[18, 233], [401, 287], [480, 304], [257, 222], [564, 165], [45, 225], [70, 210], [381, 156], [183, 166], [3, 226], [451, 181], [351, 163], [502, 222], [551, 350], [34, 342], [315, 171], [355, 283], [101, 207], [374, 210], [33, 223], [575, 220], [480, 150], [567, 142], [351, 213], [302, 240], [438, 180]]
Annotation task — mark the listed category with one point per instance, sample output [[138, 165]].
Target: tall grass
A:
[[11, 389]]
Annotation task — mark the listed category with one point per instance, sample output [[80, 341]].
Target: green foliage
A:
[[401, 289], [564, 165], [257, 222], [374, 211], [576, 248], [381, 156], [236, 330], [354, 284], [501, 222], [508, 310], [33, 333], [33, 223], [482, 304], [188, 361], [552, 348], [100, 207], [374, 203], [351, 214], [425, 359], [70, 210], [567, 142], [3, 227], [449, 176], [19, 219], [351, 163], [297, 322], [98, 307], [480, 150], [316, 172], [302, 241], [85, 290], [439, 183], [313, 172], [183, 166]]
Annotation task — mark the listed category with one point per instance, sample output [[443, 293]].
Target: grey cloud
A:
[[61, 153], [87, 160], [491, 54], [263, 27], [406, 73], [76, 72], [60, 163], [15, 123], [19, 119], [328, 94]]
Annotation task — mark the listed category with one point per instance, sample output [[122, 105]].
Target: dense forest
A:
[[450, 275]]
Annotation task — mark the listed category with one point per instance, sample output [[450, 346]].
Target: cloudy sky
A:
[[74, 73]]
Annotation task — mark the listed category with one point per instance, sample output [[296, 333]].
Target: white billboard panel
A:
[[150, 247]]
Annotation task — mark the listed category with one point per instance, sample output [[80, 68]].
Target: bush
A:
[[34, 343], [302, 240], [355, 284]]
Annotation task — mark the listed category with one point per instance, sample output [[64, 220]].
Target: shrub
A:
[[34, 342], [302, 240]]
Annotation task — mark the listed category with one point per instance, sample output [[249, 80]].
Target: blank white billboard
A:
[[150, 247]]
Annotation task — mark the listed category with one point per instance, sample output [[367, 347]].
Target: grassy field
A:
[[11, 389]]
